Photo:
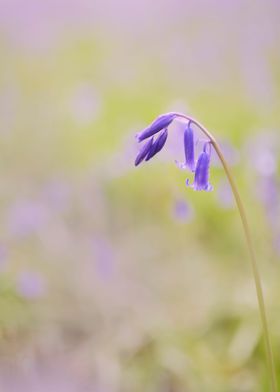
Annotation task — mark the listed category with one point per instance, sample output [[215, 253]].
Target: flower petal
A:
[[143, 152], [160, 123], [189, 147], [158, 145], [201, 176]]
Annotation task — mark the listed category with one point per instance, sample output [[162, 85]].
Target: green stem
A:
[[241, 209]]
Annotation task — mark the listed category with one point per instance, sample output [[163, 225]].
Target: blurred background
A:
[[121, 279]]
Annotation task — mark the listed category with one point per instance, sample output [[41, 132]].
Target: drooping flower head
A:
[[152, 147]]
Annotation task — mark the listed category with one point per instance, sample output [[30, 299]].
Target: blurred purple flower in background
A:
[[25, 217], [56, 373], [103, 258], [230, 153], [268, 193], [31, 285], [224, 195], [262, 151], [182, 211], [56, 194]]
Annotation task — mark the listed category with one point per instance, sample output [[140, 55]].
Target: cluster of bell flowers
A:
[[154, 145]]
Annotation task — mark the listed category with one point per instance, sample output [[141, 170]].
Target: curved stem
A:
[[241, 209]]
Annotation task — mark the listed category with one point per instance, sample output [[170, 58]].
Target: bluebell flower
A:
[[159, 124], [201, 176], [143, 152], [152, 147], [189, 149], [157, 145]]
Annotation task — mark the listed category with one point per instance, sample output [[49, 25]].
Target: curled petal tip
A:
[[196, 187]]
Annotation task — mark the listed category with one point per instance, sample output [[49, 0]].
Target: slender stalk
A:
[[241, 209]]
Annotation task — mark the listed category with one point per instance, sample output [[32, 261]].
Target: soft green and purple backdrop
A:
[[122, 279]]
